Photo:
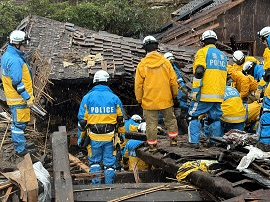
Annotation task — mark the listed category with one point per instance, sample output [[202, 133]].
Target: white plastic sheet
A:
[[44, 177], [254, 153]]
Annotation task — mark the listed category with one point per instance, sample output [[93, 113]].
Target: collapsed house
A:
[[64, 59], [236, 23]]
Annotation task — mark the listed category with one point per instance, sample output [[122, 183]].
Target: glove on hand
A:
[[122, 138], [194, 96], [258, 94], [29, 103]]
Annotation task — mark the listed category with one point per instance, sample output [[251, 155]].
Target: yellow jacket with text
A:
[[233, 110], [211, 88], [155, 82]]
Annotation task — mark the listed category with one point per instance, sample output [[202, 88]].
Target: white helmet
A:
[[169, 56], [142, 127], [208, 35], [149, 40], [239, 57], [264, 33], [18, 37], [247, 66], [136, 118], [101, 75]]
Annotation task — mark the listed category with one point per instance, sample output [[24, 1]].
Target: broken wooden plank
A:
[[77, 161], [61, 170], [7, 194], [28, 179]]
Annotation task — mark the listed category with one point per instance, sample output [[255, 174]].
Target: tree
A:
[[122, 17]]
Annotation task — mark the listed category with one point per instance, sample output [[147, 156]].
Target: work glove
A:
[[258, 94], [29, 103], [194, 96], [122, 138], [175, 102]]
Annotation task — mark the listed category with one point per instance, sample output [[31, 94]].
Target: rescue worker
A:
[[246, 86], [156, 89], [129, 152], [208, 88], [233, 111], [100, 112], [263, 131], [18, 89], [257, 71], [239, 59], [253, 118], [264, 37], [182, 96], [133, 123]]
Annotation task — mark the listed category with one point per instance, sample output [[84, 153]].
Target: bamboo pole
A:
[[4, 136]]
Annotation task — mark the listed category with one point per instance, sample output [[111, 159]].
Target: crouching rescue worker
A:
[[257, 71], [99, 113], [234, 112], [18, 88], [133, 123], [246, 86], [155, 89], [252, 121], [239, 59], [208, 88]]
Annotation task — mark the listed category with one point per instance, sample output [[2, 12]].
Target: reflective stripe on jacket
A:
[[233, 110], [155, 82], [101, 106], [16, 77], [214, 79]]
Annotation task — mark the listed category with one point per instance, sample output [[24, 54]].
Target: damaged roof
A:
[[191, 20], [74, 52]]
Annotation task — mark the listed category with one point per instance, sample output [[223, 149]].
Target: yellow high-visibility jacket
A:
[[237, 67], [266, 58], [233, 110], [16, 77], [253, 111], [213, 83], [155, 82], [244, 84]]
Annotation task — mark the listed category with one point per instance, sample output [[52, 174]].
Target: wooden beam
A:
[[77, 161], [29, 181], [61, 170]]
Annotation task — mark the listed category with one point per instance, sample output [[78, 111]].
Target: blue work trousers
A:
[[213, 112], [18, 128], [102, 152]]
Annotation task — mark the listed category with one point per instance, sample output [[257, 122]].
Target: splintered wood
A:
[[41, 69]]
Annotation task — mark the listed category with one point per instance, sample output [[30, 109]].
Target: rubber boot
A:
[[95, 168], [26, 151], [109, 176]]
